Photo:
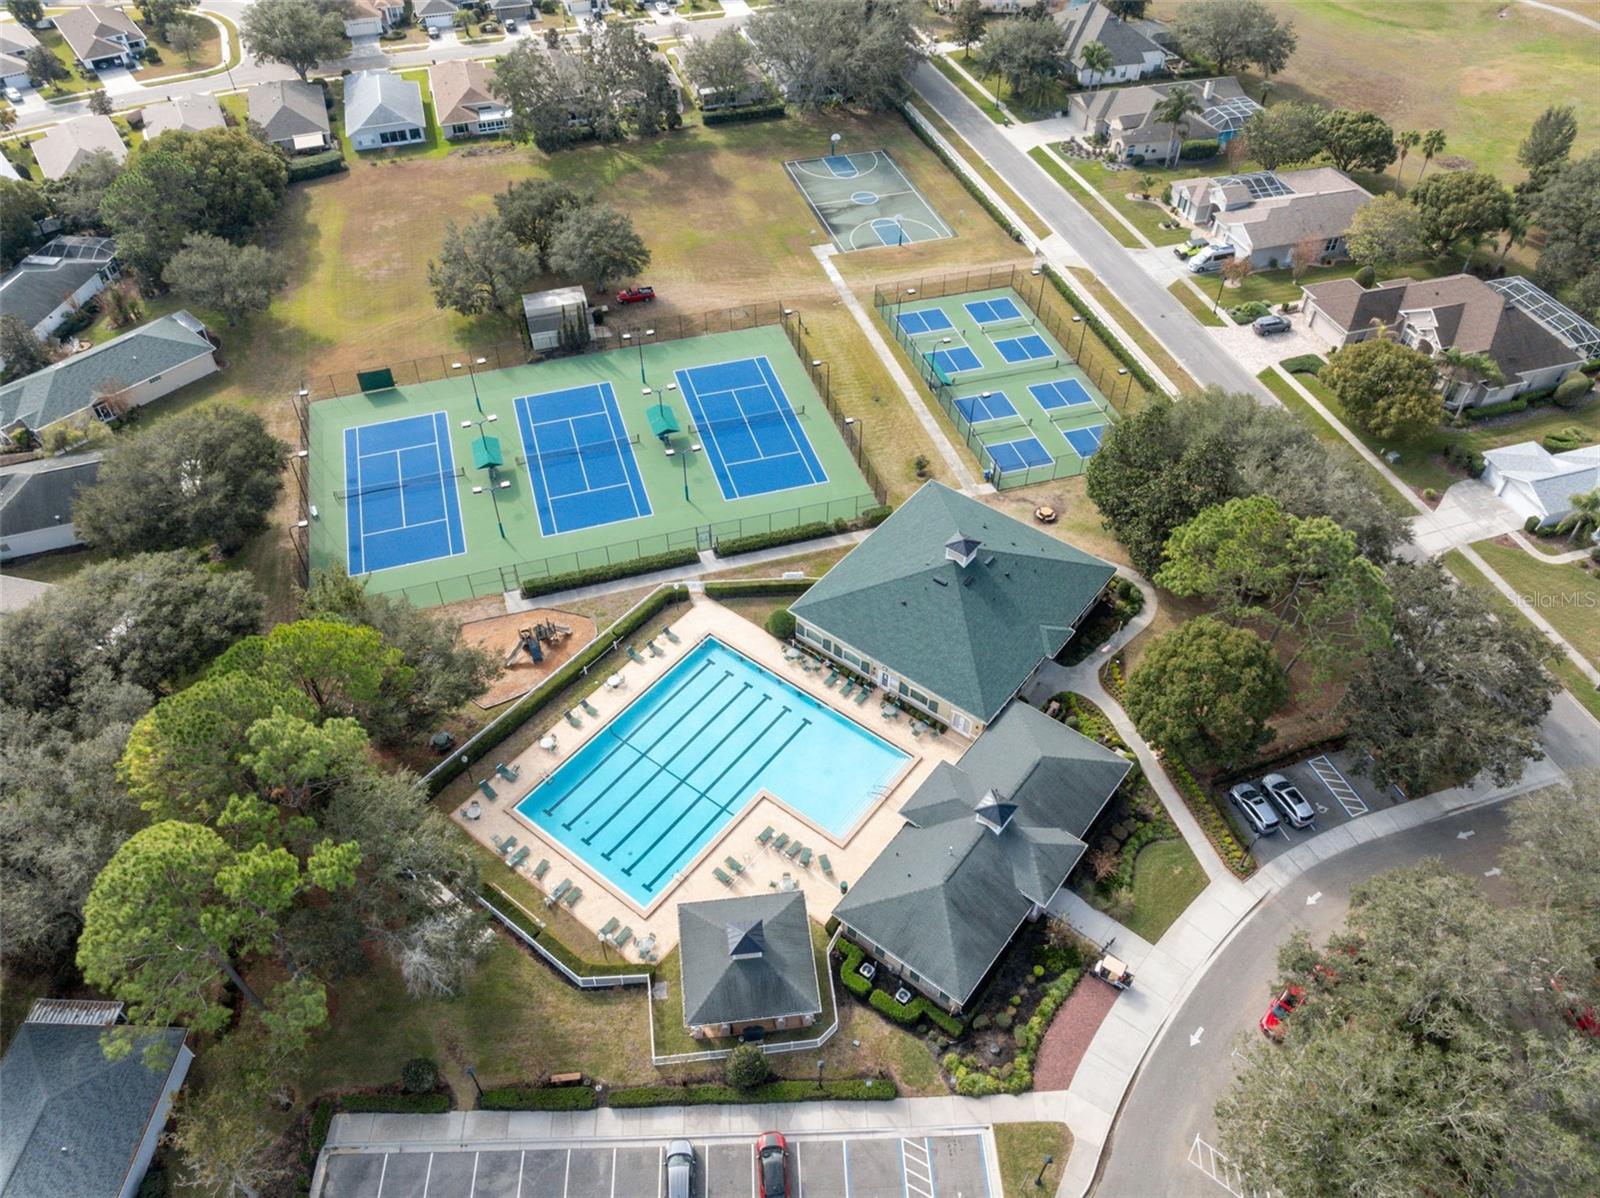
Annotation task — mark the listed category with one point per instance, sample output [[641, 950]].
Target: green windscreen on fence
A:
[[381, 379]]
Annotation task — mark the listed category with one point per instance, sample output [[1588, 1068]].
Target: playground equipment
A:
[[529, 640]]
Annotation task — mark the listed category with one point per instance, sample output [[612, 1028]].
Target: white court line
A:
[[619, 438]]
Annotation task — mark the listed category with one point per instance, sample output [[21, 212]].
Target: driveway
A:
[[1337, 794], [1468, 511]]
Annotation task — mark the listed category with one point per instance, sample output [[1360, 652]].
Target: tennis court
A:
[[1060, 393], [1086, 441], [424, 489], [400, 499], [1030, 348], [926, 320], [1021, 454], [865, 201], [580, 459], [995, 311], [986, 405]]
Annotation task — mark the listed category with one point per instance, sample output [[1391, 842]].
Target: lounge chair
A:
[[573, 896], [916, 728], [716, 872], [861, 695], [848, 689], [783, 839], [509, 773], [555, 896], [827, 866], [733, 864], [766, 835], [519, 856], [655, 649], [574, 720], [833, 679], [541, 869], [506, 845], [633, 654], [792, 851], [494, 839], [805, 858], [671, 636], [612, 925], [621, 938], [585, 704], [488, 791], [647, 947]]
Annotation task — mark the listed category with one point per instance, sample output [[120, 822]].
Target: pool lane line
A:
[[722, 811], [621, 740], [661, 766], [682, 780]]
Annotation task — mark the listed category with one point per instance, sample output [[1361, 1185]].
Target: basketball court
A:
[[865, 201]]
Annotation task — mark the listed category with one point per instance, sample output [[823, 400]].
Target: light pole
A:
[[483, 438], [640, 338], [472, 1072], [1038, 1182], [860, 427], [471, 373], [467, 764], [827, 375], [820, 1064], [899, 299]]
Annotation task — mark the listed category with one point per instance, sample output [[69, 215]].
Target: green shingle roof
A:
[[747, 958], [970, 634], [949, 892]]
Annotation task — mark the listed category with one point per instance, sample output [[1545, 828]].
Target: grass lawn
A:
[[1202, 310], [1557, 663], [1136, 331], [1564, 593], [1124, 235], [1050, 102], [1022, 1148], [75, 81], [1147, 215], [1166, 879], [1481, 70], [206, 55]]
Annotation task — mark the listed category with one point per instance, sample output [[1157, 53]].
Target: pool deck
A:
[[764, 869]]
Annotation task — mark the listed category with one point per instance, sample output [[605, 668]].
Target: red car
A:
[[1282, 1007], [636, 295], [772, 1165]]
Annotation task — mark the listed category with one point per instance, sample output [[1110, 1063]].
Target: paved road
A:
[[1163, 315]]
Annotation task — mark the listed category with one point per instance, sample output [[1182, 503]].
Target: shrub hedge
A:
[[540, 1098], [524, 708], [1563, 439], [974, 1080], [503, 903], [1245, 313], [781, 624], [731, 546], [532, 587], [961, 172], [1201, 147], [314, 166], [880, 1089], [1212, 821], [746, 588], [1572, 389], [395, 1104], [1504, 408], [884, 1003], [1118, 350], [750, 112], [1303, 364]]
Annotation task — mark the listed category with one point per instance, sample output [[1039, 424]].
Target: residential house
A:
[[101, 37], [462, 101], [1133, 55], [520, 10], [748, 965], [435, 14], [36, 503], [291, 115], [369, 18], [190, 114], [950, 606], [68, 146], [1124, 117], [1540, 484], [15, 42], [381, 110], [550, 314], [1265, 215], [75, 1121], [986, 844], [113, 377], [993, 7], [1534, 339], [7, 169], [57, 279]]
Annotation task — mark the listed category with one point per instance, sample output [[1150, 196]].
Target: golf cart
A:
[[1111, 969]]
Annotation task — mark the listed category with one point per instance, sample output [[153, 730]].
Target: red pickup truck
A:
[[636, 295]]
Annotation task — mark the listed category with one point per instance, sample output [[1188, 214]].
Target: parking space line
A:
[[846, 1155], [566, 1176], [472, 1189], [1341, 789], [933, 1181], [427, 1178], [661, 1171], [613, 1173], [1211, 1161], [924, 1173], [382, 1173], [522, 1163]]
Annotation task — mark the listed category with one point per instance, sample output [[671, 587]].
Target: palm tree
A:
[[1432, 143], [1584, 519], [1175, 110], [1405, 143], [1516, 231], [1147, 182], [1096, 60], [1464, 369]]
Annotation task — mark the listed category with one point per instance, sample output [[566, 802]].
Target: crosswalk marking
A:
[[1341, 790], [1214, 1164]]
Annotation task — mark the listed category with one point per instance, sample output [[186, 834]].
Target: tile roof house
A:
[[435, 14], [462, 101], [381, 110], [126, 372], [1539, 483], [101, 37], [1133, 55], [369, 18], [987, 842], [1123, 117], [1532, 338], [748, 962], [951, 605], [73, 1122], [36, 503], [291, 115], [67, 147], [190, 114], [57, 278], [15, 42], [1266, 214]]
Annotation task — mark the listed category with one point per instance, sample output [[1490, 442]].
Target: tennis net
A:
[[408, 482], [589, 449], [759, 419], [1031, 366]]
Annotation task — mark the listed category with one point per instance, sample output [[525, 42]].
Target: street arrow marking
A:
[[1313, 899], [1465, 835], [1492, 873], [1194, 1036]]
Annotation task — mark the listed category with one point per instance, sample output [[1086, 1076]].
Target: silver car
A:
[[1255, 809], [1287, 798], [680, 1169]]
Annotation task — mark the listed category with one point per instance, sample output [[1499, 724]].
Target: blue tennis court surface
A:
[[928, 320], [993, 311], [1060, 393], [752, 434], [1019, 454], [1085, 440], [580, 459], [401, 501], [990, 405], [954, 361], [1023, 349]]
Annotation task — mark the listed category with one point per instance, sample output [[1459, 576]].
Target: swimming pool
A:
[[662, 779]]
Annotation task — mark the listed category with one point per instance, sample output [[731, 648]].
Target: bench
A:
[[565, 1079]]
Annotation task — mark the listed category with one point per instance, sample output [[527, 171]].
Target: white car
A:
[[14, 95], [663, 8]]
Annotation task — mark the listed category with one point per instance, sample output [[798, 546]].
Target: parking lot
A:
[[878, 1166], [1336, 792]]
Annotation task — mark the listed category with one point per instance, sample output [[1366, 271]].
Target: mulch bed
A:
[[1069, 1034]]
